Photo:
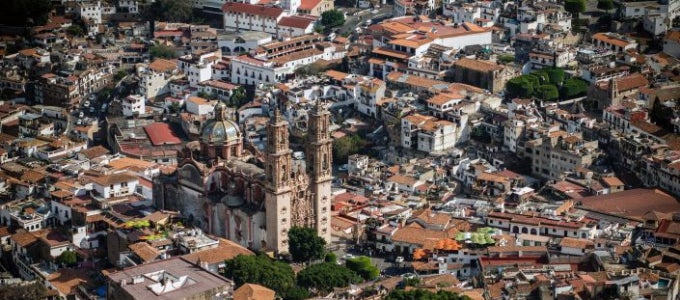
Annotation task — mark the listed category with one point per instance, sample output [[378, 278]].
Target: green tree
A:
[[304, 244], [326, 276], [331, 258], [261, 270], [346, 146], [555, 75], [506, 58], [168, 10], [419, 294], [606, 5], [67, 258], [162, 51], [573, 87], [33, 291], [522, 86], [296, 293], [575, 7], [25, 12], [238, 97], [120, 75], [548, 92], [75, 30], [362, 266], [332, 18]]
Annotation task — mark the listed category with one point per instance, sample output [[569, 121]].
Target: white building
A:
[[154, 78], [197, 67], [199, 106], [265, 68], [91, 11], [115, 185], [654, 22], [245, 16], [134, 105], [427, 133], [236, 43], [129, 6]]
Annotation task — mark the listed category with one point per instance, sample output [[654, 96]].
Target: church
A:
[[234, 191]]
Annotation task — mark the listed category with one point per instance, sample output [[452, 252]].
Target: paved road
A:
[[354, 21]]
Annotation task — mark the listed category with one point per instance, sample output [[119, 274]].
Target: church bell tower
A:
[[319, 162], [278, 164]]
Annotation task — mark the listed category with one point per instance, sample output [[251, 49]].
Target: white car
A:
[[348, 256], [86, 104], [399, 259], [343, 168]]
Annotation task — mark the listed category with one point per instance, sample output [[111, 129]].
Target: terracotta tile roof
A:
[[107, 180], [575, 243], [157, 216], [611, 181], [417, 236], [631, 203], [443, 98], [673, 35], [163, 65], [434, 218], [649, 128], [251, 291], [145, 252], [632, 81], [67, 280], [93, 152], [477, 65], [24, 238], [252, 9], [295, 22], [309, 4], [609, 39], [161, 134], [340, 223], [224, 251], [4, 231], [127, 162], [219, 84], [337, 75], [402, 179]]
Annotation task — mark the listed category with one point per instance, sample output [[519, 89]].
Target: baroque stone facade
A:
[[248, 198]]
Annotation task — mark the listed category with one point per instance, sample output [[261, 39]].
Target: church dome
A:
[[220, 129]]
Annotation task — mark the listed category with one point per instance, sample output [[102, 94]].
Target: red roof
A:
[[309, 4], [161, 134], [252, 9], [295, 22]]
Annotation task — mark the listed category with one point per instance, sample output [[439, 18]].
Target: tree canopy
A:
[[305, 245], [326, 276], [162, 51], [346, 146], [168, 10], [261, 270], [573, 87], [575, 6], [67, 258], [332, 18], [363, 267], [419, 294], [548, 84], [238, 97], [32, 291], [25, 12], [605, 5]]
